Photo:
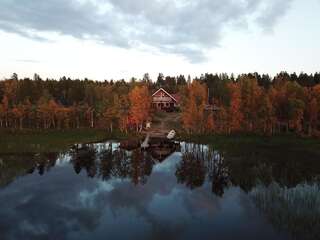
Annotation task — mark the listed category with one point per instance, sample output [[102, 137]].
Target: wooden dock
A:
[[162, 125]]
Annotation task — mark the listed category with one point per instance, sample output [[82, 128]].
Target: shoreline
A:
[[53, 140]]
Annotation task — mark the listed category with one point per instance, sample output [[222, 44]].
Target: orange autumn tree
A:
[[250, 94], [193, 115], [221, 117], [4, 111], [313, 110], [296, 106], [235, 114], [265, 113], [47, 110], [2, 114], [18, 113], [124, 111], [210, 125], [140, 105], [62, 116]]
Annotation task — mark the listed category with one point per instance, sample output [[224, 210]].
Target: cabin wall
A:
[[161, 100]]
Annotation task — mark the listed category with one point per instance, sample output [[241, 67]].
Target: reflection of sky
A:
[[169, 163], [63, 205], [63, 160]]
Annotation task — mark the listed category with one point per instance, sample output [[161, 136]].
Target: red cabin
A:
[[163, 100]]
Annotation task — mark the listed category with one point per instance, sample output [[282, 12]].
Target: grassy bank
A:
[[50, 141], [241, 142], [53, 141]]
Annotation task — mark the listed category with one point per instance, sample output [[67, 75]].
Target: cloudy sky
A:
[[104, 39]]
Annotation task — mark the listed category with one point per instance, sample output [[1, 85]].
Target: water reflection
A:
[[15, 165], [195, 189], [84, 157], [112, 162], [200, 162], [43, 162], [295, 210]]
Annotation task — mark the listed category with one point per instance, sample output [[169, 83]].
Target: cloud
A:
[[27, 60], [187, 28], [272, 13]]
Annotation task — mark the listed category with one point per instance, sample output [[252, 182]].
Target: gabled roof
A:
[[161, 89]]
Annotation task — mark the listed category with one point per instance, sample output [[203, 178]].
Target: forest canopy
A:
[[244, 103]]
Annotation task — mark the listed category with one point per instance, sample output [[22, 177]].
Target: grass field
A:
[[50, 141]]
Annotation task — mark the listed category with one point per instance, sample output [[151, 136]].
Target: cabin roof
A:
[[173, 96]]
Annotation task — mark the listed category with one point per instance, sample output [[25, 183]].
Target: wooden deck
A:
[[161, 126]]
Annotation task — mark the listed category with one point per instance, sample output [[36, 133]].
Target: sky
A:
[[115, 39]]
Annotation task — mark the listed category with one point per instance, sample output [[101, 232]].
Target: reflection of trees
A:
[[286, 167], [106, 163], [121, 163], [161, 149], [199, 162], [44, 162], [136, 165], [15, 165], [141, 166], [218, 172], [191, 170], [295, 210], [84, 157], [113, 162]]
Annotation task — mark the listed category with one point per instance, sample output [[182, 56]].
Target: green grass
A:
[[54, 141], [243, 141], [50, 141]]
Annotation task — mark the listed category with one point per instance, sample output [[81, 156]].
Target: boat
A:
[[171, 134]]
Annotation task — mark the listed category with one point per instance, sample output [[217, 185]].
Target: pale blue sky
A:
[[104, 39]]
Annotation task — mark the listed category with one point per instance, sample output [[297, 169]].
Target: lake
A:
[[177, 191]]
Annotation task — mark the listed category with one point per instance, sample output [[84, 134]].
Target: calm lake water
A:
[[184, 191]]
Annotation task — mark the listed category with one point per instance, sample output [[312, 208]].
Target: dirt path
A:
[[162, 123]]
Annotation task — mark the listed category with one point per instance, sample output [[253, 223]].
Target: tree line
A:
[[211, 103], [252, 103], [66, 103]]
